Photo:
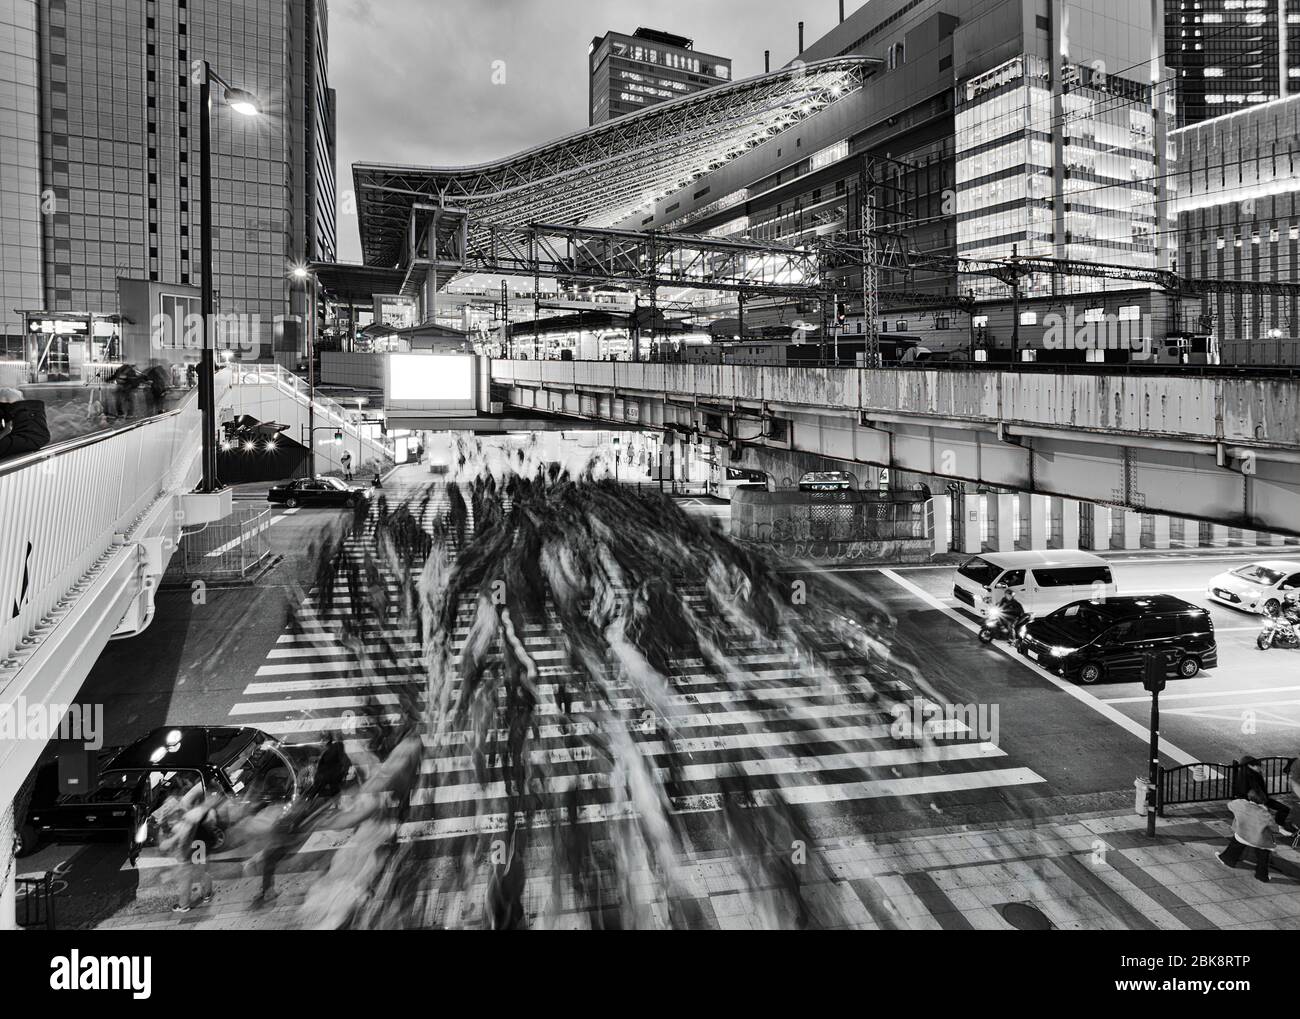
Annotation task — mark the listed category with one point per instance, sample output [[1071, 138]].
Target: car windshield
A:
[[1257, 574], [981, 571], [1081, 620], [334, 483]]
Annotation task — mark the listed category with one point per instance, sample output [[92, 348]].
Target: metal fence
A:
[[1208, 783], [231, 548], [36, 900], [827, 516]]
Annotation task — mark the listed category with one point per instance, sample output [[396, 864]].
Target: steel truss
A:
[[608, 172]]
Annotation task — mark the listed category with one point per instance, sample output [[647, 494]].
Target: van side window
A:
[[1071, 576], [1012, 578], [1158, 627], [1120, 633], [1193, 622]]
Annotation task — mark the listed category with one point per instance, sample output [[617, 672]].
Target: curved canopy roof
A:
[[602, 175]]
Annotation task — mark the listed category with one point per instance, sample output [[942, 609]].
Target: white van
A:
[[1041, 581]]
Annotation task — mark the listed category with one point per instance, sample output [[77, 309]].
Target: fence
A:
[[229, 548], [36, 897], [1207, 783], [844, 515]]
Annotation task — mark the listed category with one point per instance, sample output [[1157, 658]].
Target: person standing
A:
[[346, 461], [1252, 826]]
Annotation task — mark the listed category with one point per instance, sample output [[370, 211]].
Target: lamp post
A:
[[245, 104], [301, 272]]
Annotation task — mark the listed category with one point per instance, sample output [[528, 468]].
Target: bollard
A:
[[1141, 789]]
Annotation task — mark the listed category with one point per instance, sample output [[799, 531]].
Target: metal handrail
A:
[[77, 442]]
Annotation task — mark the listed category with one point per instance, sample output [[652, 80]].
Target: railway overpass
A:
[[1222, 447]]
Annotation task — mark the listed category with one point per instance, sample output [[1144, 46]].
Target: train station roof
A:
[[601, 175]]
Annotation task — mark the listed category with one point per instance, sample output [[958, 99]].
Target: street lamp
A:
[[303, 274], [244, 103]]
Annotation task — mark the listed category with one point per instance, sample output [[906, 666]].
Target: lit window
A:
[[1130, 313], [1028, 318], [1213, 72], [1294, 233]]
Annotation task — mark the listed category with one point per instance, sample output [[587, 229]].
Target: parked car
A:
[[1110, 638], [316, 492], [1257, 587], [251, 770]]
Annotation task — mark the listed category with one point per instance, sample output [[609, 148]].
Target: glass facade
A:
[[1228, 55], [120, 94], [632, 72], [20, 161], [1079, 184]]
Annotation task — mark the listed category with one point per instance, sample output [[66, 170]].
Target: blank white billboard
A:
[[431, 385]]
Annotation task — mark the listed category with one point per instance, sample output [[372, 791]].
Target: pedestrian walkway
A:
[[1072, 873]]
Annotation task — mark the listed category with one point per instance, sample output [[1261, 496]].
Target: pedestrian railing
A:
[[231, 548], [1208, 782], [36, 900]]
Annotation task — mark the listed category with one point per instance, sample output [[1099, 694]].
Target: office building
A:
[[20, 173], [119, 113], [1229, 55], [632, 72]]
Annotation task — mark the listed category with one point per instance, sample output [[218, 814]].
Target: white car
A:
[[1257, 587]]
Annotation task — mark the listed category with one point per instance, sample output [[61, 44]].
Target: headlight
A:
[[1058, 652]]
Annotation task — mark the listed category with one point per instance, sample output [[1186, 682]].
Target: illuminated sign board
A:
[[431, 384]]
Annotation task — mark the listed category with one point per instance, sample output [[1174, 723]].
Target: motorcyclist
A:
[[1007, 613]]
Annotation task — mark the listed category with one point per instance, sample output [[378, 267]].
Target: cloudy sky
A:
[[415, 77]]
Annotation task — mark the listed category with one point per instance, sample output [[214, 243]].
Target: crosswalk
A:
[[782, 735], [771, 728]]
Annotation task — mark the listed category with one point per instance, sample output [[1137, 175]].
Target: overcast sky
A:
[[415, 77]]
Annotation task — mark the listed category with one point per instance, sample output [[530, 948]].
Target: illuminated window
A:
[[1130, 313], [1213, 72], [1028, 318]]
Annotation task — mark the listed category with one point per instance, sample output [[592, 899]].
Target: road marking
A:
[[1101, 707], [1209, 693]]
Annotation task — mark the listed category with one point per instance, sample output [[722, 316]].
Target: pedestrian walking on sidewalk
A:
[[346, 461], [1252, 826], [1251, 784]]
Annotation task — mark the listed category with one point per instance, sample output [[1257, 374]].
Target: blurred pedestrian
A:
[[346, 461], [22, 424], [1252, 827], [1251, 784]]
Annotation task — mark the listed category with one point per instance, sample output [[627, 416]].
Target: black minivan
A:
[[1087, 641]]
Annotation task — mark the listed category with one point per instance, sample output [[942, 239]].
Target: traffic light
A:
[[1153, 675], [338, 434]]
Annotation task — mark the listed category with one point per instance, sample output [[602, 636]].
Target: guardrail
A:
[[329, 413], [229, 548], [35, 892], [1209, 783]]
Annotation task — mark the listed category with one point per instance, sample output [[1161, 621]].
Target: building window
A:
[[1028, 318]]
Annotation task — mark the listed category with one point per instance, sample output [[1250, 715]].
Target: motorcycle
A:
[[1000, 625], [1279, 631]]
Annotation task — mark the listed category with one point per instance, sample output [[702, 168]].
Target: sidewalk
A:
[[1084, 872]]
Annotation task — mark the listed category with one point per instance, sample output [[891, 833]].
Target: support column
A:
[[1132, 529], [1100, 525], [1266, 538], [941, 523], [1189, 532], [1160, 525], [971, 542], [1038, 510], [1219, 535], [1004, 537], [1069, 537]]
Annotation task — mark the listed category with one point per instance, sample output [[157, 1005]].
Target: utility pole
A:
[[1015, 305], [1154, 681], [870, 290]]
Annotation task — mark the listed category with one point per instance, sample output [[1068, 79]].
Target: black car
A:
[[249, 769], [1087, 641], [316, 492]]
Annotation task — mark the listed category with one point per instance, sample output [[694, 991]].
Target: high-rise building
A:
[[20, 172], [1229, 55], [119, 116], [631, 72]]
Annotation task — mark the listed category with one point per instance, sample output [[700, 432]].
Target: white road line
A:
[[1208, 693], [1102, 708]]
